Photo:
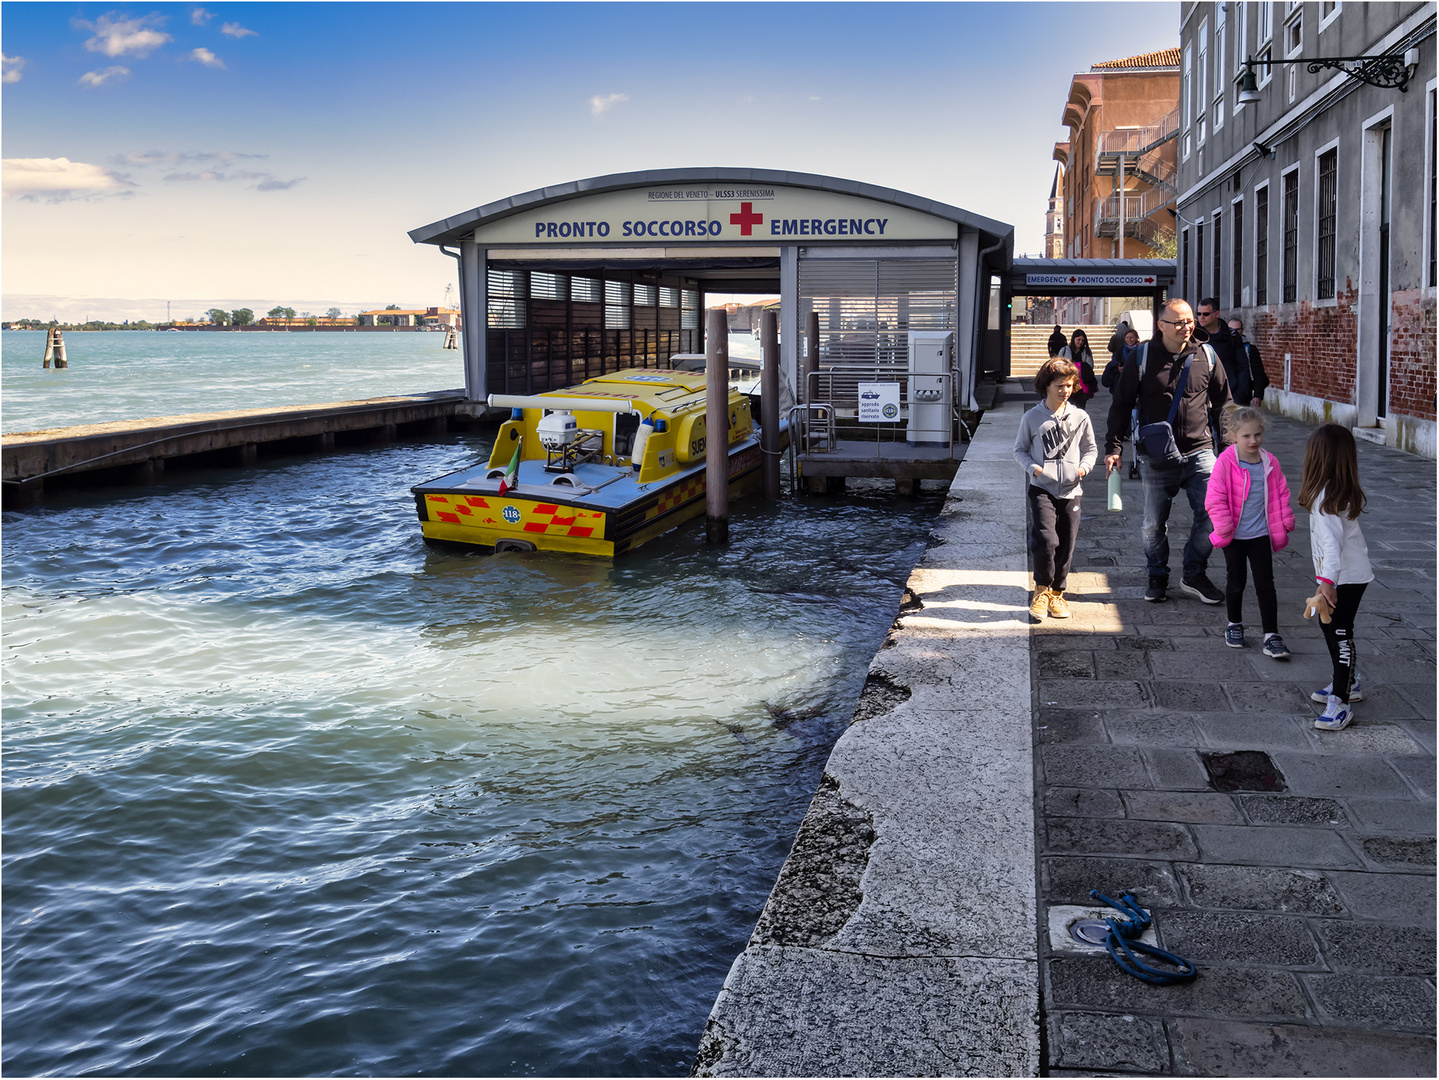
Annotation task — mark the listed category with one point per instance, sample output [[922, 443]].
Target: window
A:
[[644, 296], [1202, 80], [689, 309], [1294, 31], [1291, 235], [548, 286], [617, 305], [669, 297], [1241, 40], [1261, 245], [1433, 181], [505, 299], [1328, 9], [1187, 94], [1218, 255], [1327, 207], [1236, 241], [1198, 258], [1266, 23], [1220, 25], [585, 290]]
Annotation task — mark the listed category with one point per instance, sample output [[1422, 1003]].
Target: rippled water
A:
[[288, 793], [129, 374]]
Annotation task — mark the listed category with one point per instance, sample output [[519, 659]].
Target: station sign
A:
[[1098, 280], [709, 213], [878, 402]]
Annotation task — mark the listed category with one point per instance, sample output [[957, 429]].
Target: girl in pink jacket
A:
[[1248, 505]]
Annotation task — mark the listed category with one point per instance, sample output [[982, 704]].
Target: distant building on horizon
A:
[[437, 318]]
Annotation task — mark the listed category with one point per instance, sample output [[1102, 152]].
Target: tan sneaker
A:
[[1039, 606], [1058, 609]]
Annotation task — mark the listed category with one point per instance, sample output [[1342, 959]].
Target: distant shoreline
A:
[[77, 328]]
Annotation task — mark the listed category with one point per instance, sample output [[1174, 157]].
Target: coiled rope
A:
[[1124, 939]]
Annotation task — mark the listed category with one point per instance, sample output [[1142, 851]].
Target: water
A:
[[287, 792], [130, 374]]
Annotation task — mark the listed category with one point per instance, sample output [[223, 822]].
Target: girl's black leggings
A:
[[1339, 636], [1259, 553]]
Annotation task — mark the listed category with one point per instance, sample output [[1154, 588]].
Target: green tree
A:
[[289, 314], [242, 317], [392, 307], [312, 321], [333, 313], [275, 313], [218, 316]]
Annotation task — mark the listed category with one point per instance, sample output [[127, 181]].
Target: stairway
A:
[[1028, 347]]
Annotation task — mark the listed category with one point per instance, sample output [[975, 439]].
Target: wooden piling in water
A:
[[717, 427], [60, 349], [49, 346], [769, 402]]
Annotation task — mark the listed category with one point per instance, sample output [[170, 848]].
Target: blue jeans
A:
[[1161, 485]]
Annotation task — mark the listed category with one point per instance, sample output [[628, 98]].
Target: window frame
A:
[[1236, 244], [1294, 24], [1326, 21], [1319, 298], [1260, 274], [1220, 87], [1289, 264]]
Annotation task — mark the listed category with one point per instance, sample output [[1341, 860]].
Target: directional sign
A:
[[1101, 280]]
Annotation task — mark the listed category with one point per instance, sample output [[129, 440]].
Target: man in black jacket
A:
[[1206, 392], [1250, 380], [1057, 341]]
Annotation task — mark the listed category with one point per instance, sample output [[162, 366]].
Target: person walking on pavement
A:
[[1250, 367], [1248, 502], [1172, 362], [1056, 341], [1077, 352], [1055, 447], [1331, 493]]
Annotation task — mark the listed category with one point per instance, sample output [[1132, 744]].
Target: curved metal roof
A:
[[452, 230]]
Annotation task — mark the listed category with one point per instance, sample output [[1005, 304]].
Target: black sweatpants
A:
[[1053, 529], [1259, 554], [1339, 636]]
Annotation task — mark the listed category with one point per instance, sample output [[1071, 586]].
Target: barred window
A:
[[1261, 245], [644, 296], [689, 309], [548, 286], [1328, 214], [1237, 242], [585, 290], [1218, 255], [1291, 236], [1199, 257], [617, 305]]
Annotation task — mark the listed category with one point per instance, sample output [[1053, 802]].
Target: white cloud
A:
[[176, 157], [264, 181], [92, 79], [235, 30], [600, 105], [200, 16], [206, 57], [10, 66], [58, 180], [116, 37], [275, 184]]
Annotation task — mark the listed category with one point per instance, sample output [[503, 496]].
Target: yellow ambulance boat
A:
[[598, 468]]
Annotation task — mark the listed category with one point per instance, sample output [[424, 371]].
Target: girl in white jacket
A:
[[1334, 499]]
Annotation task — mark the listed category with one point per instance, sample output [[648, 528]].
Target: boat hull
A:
[[544, 517]]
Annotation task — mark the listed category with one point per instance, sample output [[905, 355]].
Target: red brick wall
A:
[[1323, 346]]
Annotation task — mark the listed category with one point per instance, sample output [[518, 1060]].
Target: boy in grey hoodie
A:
[[1056, 448]]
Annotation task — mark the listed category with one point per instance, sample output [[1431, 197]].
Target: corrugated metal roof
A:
[[452, 230], [1164, 58]]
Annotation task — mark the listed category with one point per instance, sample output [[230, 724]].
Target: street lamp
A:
[[1388, 70]]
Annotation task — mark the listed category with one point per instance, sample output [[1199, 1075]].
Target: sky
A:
[[264, 154]]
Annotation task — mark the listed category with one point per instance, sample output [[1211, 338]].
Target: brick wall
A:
[[1322, 343]]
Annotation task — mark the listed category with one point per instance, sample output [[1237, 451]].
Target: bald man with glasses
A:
[[1205, 393]]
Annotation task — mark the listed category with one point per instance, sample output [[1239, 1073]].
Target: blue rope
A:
[[1124, 937]]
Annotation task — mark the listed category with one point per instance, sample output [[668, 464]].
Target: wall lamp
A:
[[1388, 70]]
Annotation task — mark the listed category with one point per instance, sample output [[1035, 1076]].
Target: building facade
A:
[[1119, 166], [1310, 213]]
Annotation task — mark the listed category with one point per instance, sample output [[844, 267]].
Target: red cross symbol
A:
[[1073, 280], [746, 218]]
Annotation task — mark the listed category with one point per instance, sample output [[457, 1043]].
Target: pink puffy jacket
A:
[[1229, 487]]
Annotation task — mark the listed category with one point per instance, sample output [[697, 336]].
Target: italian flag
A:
[[512, 472]]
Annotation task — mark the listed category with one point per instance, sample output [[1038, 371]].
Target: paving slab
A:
[[1309, 908]]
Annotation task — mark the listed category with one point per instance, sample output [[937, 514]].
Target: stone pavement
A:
[[1306, 895]]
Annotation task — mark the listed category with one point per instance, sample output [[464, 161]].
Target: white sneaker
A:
[[1356, 692], [1337, 715]]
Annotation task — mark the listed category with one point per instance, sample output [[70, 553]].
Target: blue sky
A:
[[256, 154]]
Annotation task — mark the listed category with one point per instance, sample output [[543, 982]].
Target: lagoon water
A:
[[289, 793]]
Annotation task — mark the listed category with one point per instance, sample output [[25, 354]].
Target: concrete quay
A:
[[135, 451], [997, 770]]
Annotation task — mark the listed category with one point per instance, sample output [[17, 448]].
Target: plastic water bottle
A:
[[1116, 503]]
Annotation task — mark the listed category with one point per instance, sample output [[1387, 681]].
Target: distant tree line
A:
[[215, 317]]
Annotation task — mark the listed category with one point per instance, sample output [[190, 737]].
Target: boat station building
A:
[[568, 282]]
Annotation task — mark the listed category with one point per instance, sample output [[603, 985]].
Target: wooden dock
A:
[[136, 451]]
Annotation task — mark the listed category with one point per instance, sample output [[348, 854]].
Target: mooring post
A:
[[60, 349], [49, 346], [769, 402], [717, 427], [811, 352]]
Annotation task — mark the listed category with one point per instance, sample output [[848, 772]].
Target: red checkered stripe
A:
[[564, 521], [547, 518], [677, 495]]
